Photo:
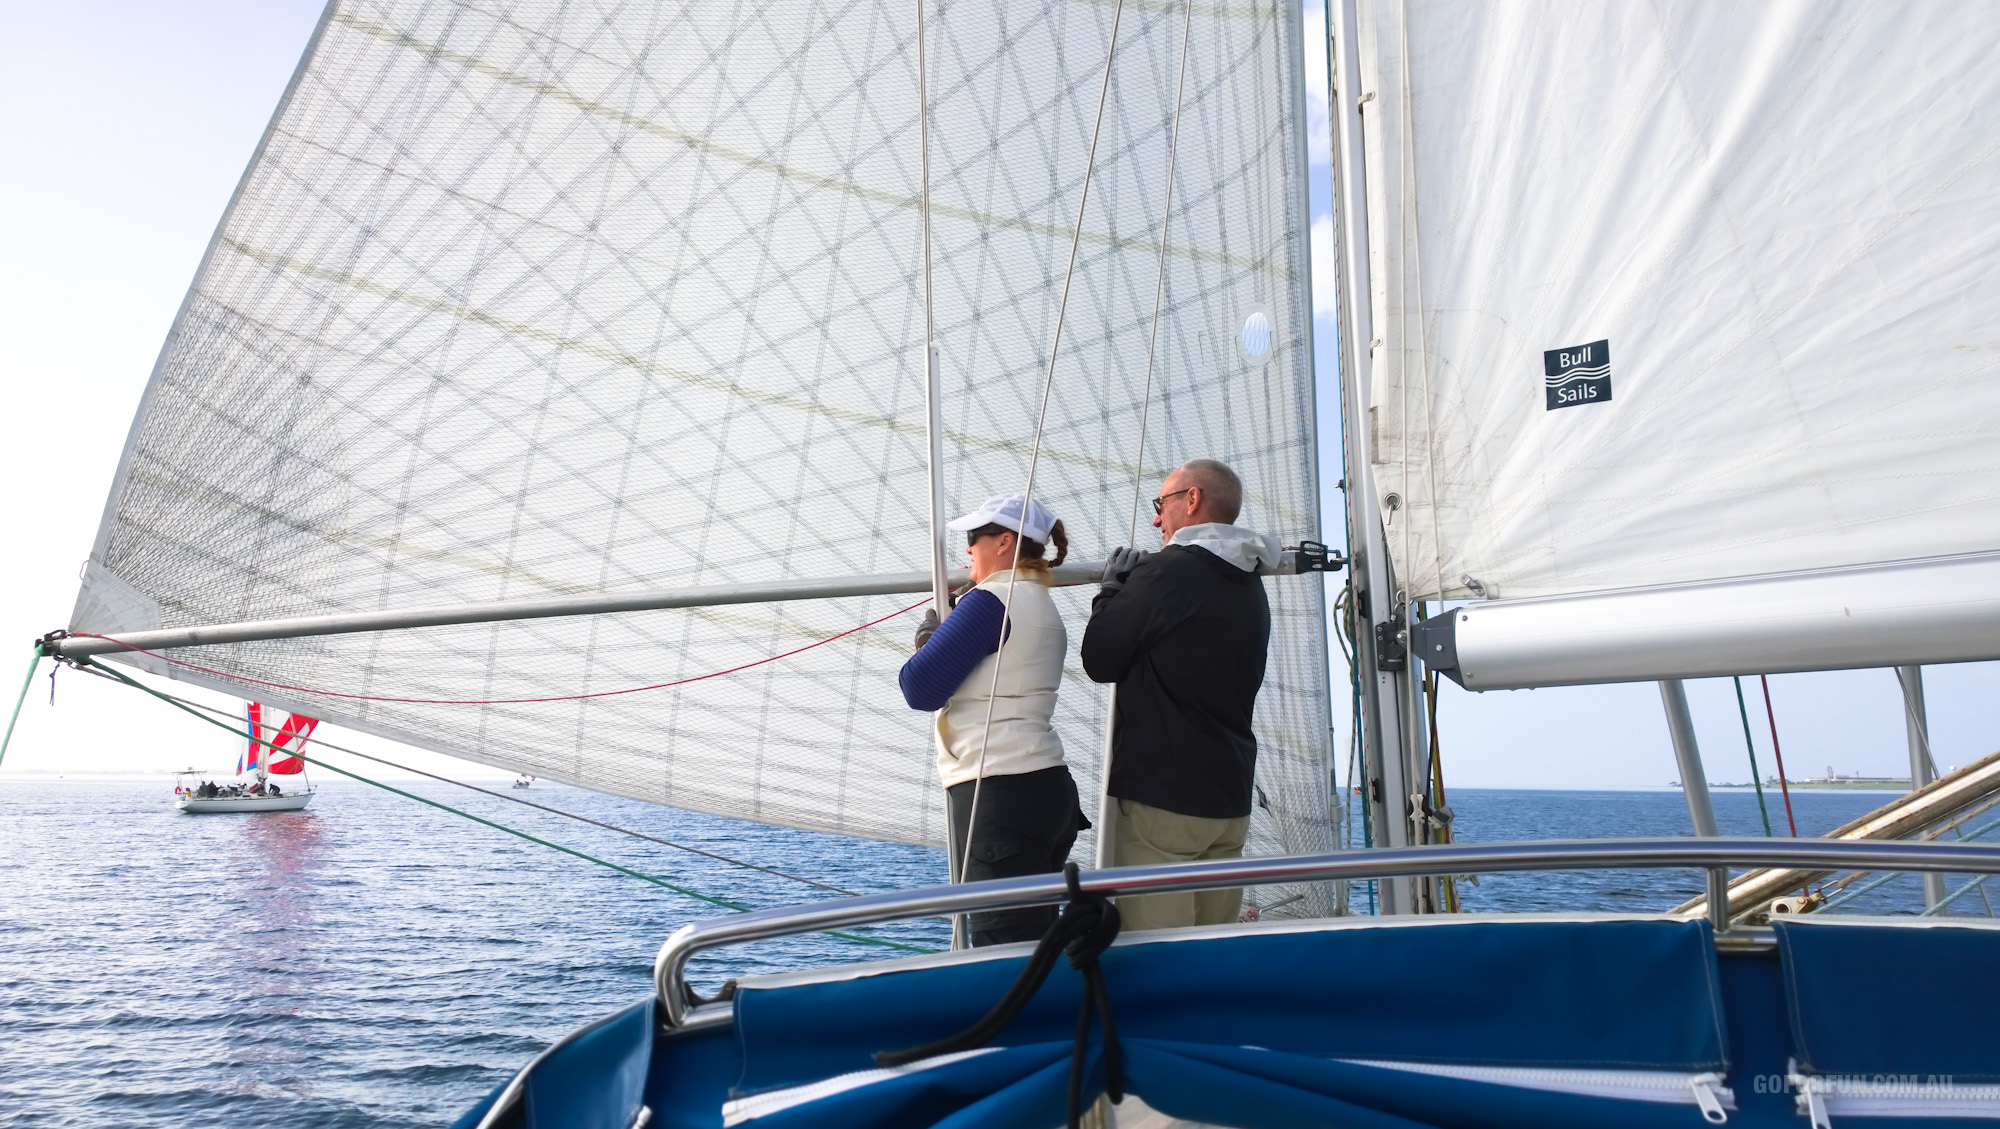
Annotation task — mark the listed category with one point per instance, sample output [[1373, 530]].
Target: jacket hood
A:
[[1233, 543]]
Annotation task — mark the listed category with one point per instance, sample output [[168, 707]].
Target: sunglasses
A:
[[1160, 503]]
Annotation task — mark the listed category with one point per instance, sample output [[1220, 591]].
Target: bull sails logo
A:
[[1580, 374]]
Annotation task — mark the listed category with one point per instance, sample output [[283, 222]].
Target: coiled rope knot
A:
[[1087, 926]]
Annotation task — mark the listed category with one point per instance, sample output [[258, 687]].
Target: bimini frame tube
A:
[[1687, 754], [1916, 725]]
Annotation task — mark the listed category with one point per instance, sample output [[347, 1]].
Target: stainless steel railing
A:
[[1715, 856]]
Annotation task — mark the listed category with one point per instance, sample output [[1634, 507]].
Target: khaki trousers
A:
[[1147, 834]]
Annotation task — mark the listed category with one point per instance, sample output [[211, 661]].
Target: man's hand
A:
[[925, 628], [1118, 568]]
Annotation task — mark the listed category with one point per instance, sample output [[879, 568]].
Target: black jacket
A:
[[1185, 641]]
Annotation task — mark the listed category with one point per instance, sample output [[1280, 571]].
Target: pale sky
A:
[[125, 130]]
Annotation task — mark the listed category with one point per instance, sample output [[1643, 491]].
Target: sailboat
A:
[[269, 735], [578, 389]]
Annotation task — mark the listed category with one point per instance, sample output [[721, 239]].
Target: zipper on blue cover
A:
[[1820, 1097], [1704, 1091]]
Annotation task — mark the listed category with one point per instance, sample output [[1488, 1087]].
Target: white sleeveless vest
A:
[[1020, 738]]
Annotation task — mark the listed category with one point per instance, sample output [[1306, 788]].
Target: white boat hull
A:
[[215, 804]]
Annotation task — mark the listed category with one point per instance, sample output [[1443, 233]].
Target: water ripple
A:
[[366, 962], [370, 962]]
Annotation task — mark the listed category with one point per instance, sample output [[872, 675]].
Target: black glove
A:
[[1118, 569], [925, 628]]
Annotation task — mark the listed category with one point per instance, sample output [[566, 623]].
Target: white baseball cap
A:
[[1004, 510]]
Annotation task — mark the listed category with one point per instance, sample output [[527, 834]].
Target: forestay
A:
[[1680, 291], [544, 299]]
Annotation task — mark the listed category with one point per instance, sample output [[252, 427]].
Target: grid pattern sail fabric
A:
[[1775, 223], [555, 298]]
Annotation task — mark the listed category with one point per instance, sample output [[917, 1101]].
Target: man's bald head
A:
[[1221, 490]]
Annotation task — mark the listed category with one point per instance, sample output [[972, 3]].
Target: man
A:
[[1183, 633]]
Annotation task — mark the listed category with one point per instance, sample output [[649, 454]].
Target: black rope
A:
[[1088, 925]]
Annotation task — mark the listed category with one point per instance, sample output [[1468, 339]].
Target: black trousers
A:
[[1027, 825]]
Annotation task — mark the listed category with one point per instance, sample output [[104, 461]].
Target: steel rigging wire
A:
[[725, 903], [97, 672], [20, 700], [1107, 815], [1750, 743], [1041, 421]]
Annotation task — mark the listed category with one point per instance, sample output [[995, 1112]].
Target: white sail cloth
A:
[[1780, 219], [544, 298]]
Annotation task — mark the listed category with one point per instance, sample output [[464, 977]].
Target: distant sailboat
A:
[[269, 749]]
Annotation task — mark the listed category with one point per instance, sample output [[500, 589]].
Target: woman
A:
[[995, 737]]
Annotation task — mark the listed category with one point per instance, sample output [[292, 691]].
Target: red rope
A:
[[499, 701], [1779, 754]]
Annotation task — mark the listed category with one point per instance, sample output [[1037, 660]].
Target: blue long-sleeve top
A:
[[969, 633]]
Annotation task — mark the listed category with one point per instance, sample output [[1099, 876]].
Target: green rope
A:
[[682, 890], [1756, 777], [20, 701], [98, 672]]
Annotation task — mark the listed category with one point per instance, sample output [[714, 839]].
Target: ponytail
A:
[[1032, 550]]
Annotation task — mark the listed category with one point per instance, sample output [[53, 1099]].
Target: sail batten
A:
[[539, 301]]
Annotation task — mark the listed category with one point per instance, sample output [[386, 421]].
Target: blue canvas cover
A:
[[594, 1079], [1873, 1000], [1247, 1028], [1025, 1088]]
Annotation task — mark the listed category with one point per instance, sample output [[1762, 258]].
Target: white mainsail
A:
[[1774, 223], [539, 299]]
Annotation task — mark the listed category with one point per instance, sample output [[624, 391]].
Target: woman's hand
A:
[[925, 628]]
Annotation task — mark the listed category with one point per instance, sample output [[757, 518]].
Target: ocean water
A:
[[375, 962], [1496, 816]]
